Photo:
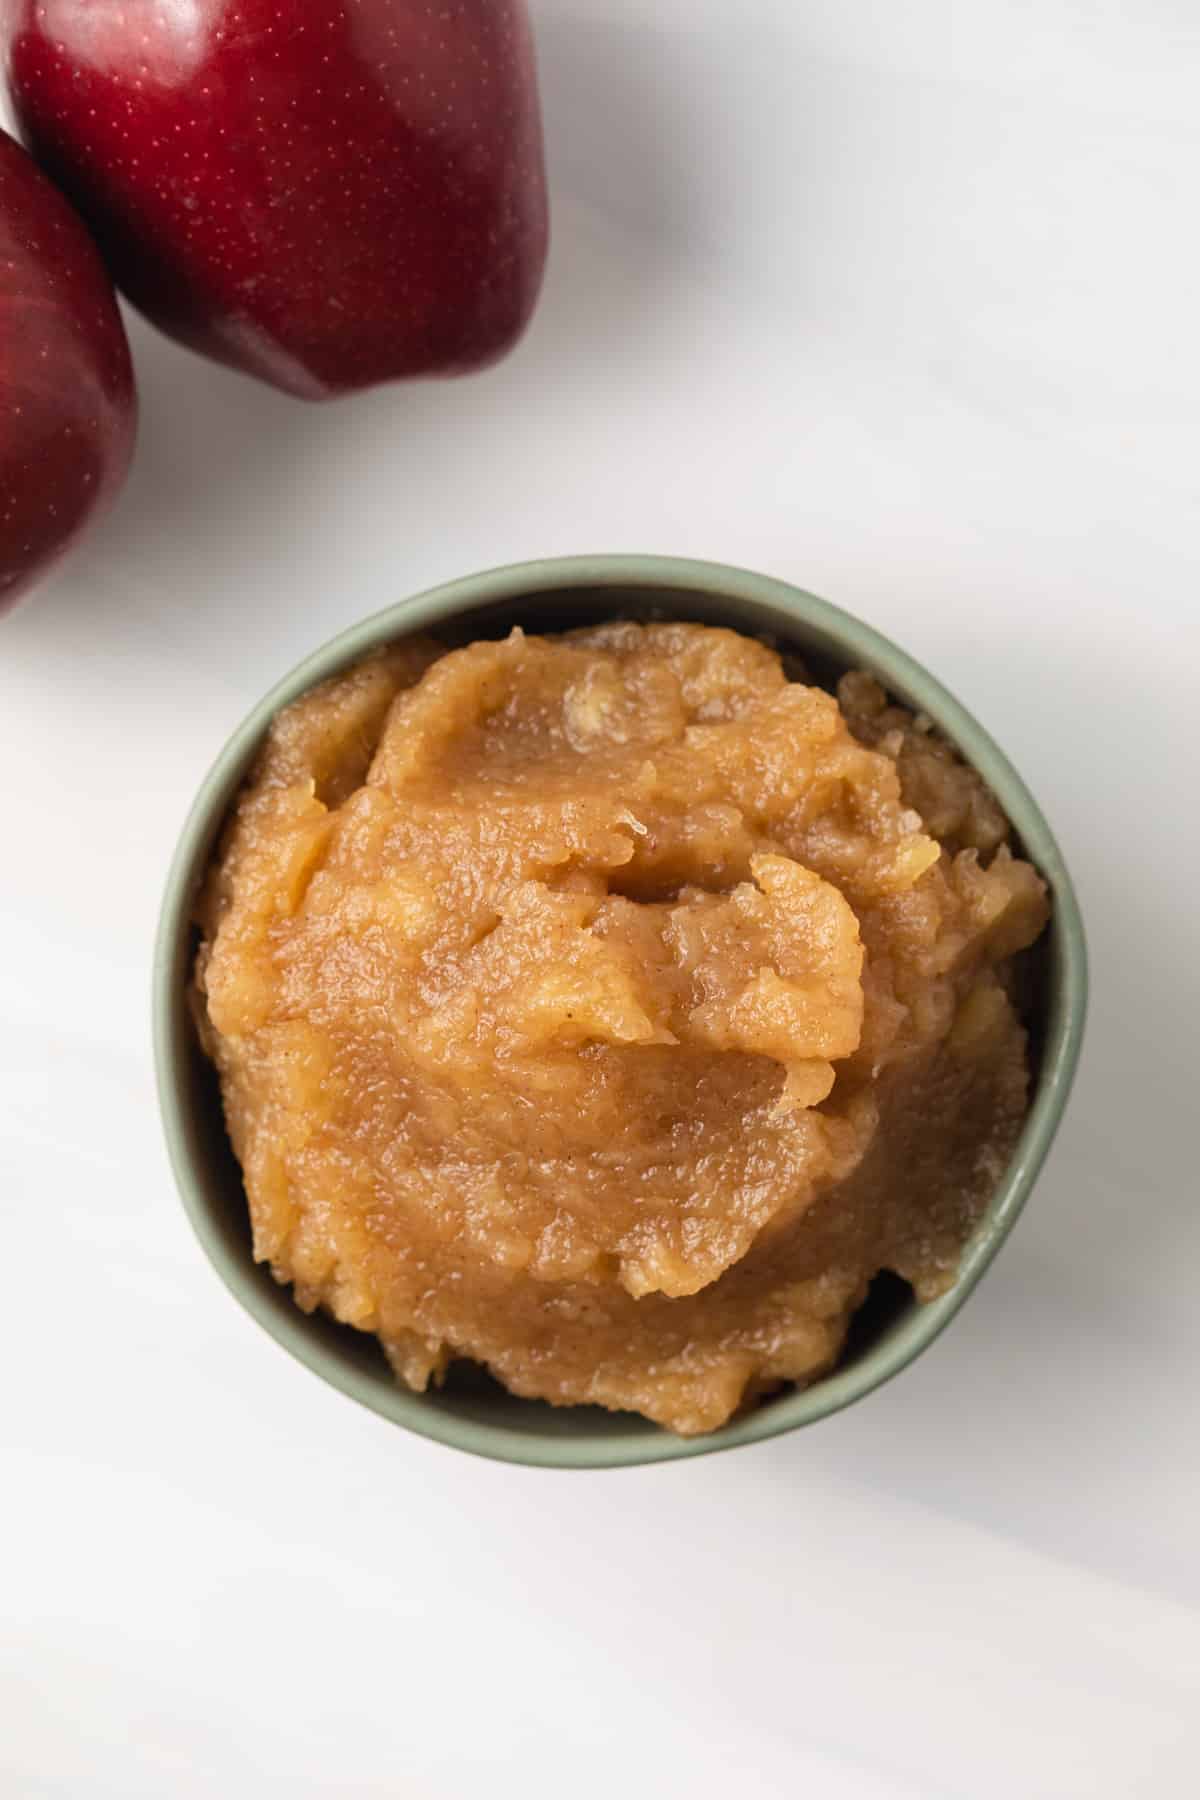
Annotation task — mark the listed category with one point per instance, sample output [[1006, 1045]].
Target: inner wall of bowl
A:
[[570, 609], [471, 1404]]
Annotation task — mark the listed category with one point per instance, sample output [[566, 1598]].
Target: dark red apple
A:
[[326, 193], [68, 411]]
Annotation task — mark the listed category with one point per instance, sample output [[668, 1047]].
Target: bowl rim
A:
[[851, 641]]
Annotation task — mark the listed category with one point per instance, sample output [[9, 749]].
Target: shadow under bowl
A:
[[472, 1412]]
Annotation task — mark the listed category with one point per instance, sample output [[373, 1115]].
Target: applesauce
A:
[[610, 1009]]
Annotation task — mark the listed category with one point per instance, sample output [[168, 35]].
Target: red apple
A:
[[326, 193], [68, 410]]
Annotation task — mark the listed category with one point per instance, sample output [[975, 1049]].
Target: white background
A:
[[898, 302]]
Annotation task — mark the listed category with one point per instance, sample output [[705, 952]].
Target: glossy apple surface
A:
[[325, 193], [68, 411]]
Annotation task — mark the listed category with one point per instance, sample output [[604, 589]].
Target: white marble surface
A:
[[898, 302]]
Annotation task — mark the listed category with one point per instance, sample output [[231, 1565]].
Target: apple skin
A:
[[68, 406], [326, 194]]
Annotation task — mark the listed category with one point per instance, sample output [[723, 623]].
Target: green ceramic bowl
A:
[[471, 1413]]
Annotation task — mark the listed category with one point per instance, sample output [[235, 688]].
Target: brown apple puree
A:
[[610, 1009]]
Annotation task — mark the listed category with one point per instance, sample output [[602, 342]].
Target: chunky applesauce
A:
[[610, 1009]]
